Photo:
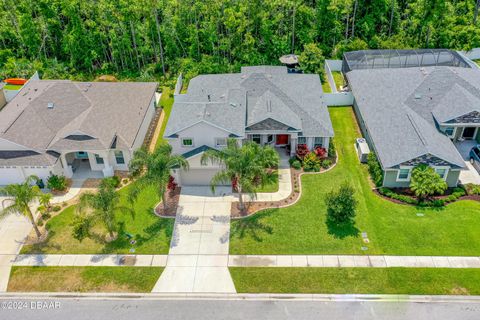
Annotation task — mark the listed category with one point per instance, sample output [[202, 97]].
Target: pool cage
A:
[[384, 59]]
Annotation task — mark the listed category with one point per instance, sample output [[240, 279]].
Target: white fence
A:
[[338, 99]]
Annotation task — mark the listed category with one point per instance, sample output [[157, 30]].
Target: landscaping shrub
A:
[[56, 208], [472, 189], [58, 183], [311, 162], [393, 195], [326, 164], [321, 152], [296, 164], [426, 182], [341, 204], [456, 194], [375, 170], [113, 182], [331, 149]]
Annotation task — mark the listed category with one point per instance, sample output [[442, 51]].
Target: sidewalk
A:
[[74, 190], [84, 260]]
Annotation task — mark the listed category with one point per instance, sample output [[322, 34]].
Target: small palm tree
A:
[[426, 182], [153, 169], [246, 166], [23, 195], [45, 199], [103, 207]]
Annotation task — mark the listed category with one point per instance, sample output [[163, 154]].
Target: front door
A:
[[282, 139], [468, 132]]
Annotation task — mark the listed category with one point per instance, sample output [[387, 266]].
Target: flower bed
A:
[[172, 197], [405, 196]]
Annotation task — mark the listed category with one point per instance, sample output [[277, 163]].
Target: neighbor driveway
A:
[[470, 174]]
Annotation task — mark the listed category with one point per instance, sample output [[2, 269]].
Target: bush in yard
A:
[[331, 149], [341, 204], [426, 182], [311, 162], [375, 170], [113, 181], [321, 152], [296, 165], [472, 189], [326, 163], [55, 182]]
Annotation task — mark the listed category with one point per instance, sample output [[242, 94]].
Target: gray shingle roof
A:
[[98, 109], [234, 101], [398, 106], [457, 102]]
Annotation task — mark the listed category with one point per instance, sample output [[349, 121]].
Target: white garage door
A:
[[197, 177], [10, 175]]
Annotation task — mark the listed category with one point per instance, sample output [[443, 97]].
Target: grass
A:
[[326, 87], [391, 228], [477, 61], [166, 102], [338, 78], [12, 87], [83, 279], [357, 280], [152, 234]]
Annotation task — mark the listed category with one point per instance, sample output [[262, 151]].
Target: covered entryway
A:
[[469, 132], [85, 165], [282, 139], [197, 177]]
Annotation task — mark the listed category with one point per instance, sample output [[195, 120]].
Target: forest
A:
[[156, 39]]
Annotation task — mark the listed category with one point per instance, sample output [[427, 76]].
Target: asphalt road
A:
[[145, 309]]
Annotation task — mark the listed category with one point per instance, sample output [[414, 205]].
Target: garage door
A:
[[10, 175], [197, 177]]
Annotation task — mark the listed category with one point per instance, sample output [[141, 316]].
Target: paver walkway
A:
[[198, 256]]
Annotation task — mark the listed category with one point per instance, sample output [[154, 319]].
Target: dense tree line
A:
[[151, 38]]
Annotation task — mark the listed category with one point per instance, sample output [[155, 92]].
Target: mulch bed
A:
[[408, 193], [172, 198]]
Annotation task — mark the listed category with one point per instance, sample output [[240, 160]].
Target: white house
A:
[[264, 104], [76, 129]]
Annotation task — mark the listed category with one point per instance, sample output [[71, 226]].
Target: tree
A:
[[312, 60], [153, 169], [246, 166], [426, 182], [103, 207], [341, 204], [45, 199], [23, 195]]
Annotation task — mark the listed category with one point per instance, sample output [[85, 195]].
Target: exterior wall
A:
[[41, 172], [390, 179], [202, 134], [197, 173], [142, 132]]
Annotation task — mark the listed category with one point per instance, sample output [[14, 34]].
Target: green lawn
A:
[[152, 234], [166, 101], [338, 78], [357, 280], [83, 279], [392, 228], [477, 61], [326, 87]]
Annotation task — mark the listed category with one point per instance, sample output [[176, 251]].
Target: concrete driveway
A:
[[198, 256], [470, 174]]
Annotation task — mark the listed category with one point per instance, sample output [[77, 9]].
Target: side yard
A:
[[151, 234], [391, 228], [83, 279], [166, 102]]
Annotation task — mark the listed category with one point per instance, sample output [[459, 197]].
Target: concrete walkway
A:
[[84, 260], [198, 256], [74, 190]]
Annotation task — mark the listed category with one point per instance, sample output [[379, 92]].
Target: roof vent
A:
[[50, 105], [233, 104], [418, 96]]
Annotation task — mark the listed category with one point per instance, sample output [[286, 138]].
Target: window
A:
[[302, 140], [187, 142], [98, 159], [442, 172], [270, 138], [449, 131], [119, 157], [256, 138], [403, 175], [220, 142], [318, 142]]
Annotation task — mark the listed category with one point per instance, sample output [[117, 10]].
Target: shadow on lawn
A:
[[342, 231], [253, 226]]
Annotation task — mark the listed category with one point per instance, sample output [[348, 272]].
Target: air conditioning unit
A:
[[362, 149]]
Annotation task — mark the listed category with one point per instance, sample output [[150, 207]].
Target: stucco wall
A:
[[202, 134], [390, 179]]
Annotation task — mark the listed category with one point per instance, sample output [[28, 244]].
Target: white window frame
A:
[[222, 144], [298, 140], [272, 138], [409, 174], [188, 146], [453, 133], [97, 158], [116, 157], [447, 169]]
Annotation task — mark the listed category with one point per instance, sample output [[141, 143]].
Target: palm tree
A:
[[101, 206], [153, 169], [45, 199], [425, 182], [23, 195], [246, 166]]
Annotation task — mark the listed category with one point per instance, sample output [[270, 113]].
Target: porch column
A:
[[67, 169], [107, 168], [293, 145]]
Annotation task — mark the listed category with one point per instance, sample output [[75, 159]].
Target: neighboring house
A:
[[76, 129], [264, 104], [411, 113]]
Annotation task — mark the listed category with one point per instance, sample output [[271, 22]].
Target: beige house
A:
[[75, 129]]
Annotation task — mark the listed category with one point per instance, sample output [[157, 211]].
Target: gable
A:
[[471, 117], [269, 124], [9, 145], [427, 159]]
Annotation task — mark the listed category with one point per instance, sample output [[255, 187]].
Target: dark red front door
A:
[[282, 139]]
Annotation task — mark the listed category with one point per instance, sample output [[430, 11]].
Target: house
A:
[[76, 129], [414, 112], [264, 104]]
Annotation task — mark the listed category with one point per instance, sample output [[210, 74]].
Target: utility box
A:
[[362, 149]]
